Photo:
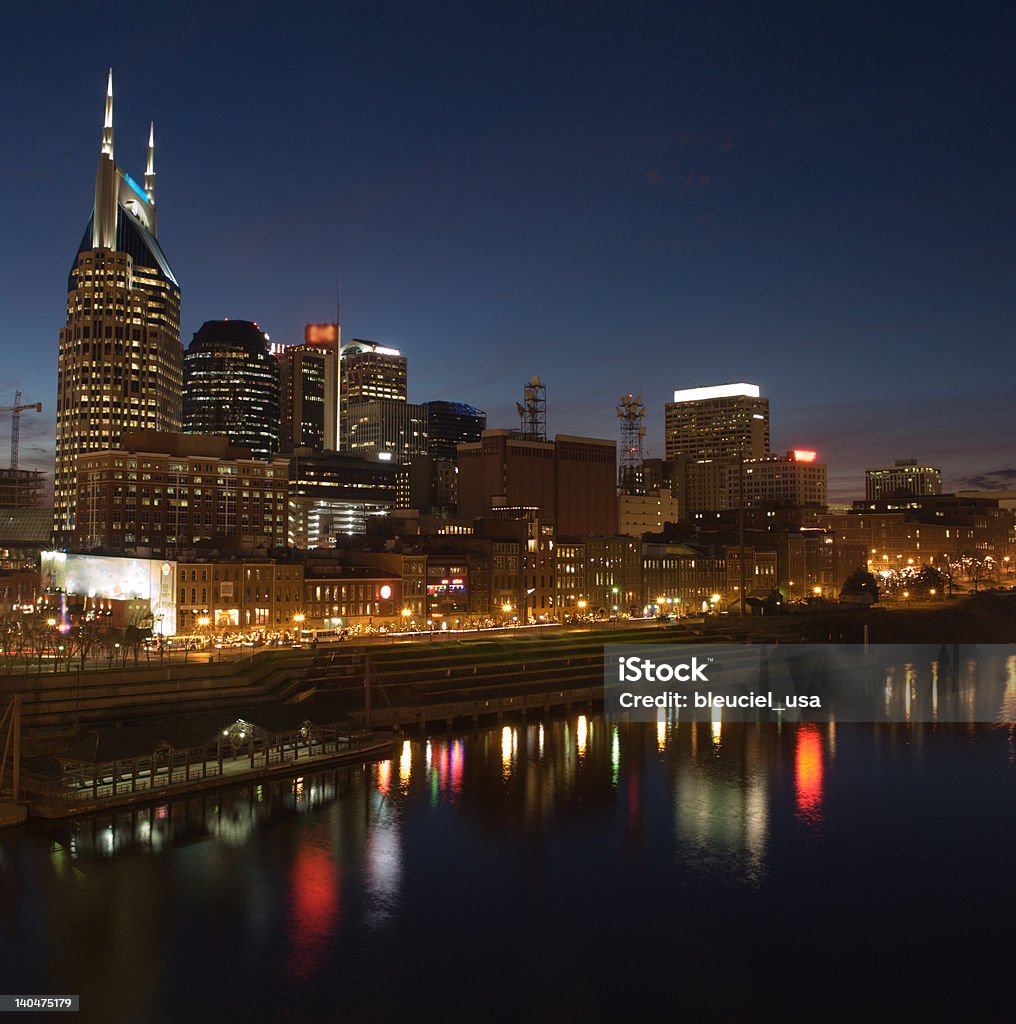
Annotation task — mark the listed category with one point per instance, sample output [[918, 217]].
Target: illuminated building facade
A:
[[727, 421], [904, 477], [387, 429], [120, 364], [231, 386], [646, 513], [225, 595], [309, 389], [333, 495], [160, 494], [368, 372], [795, 480]]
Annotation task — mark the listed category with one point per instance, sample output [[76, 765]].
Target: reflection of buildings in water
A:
[[1007, 705], [382, 851], [722, 802]]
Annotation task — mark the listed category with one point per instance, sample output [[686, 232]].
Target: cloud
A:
[[693, 180], [991, 480], [656, 177]]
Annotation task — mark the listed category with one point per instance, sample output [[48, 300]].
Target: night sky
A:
[[815, 198]]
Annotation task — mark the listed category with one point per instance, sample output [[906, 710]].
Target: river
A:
[[569, 870]]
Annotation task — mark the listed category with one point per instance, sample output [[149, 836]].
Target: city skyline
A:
[[621, 232]]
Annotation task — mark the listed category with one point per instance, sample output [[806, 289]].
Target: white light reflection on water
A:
[[581, 731], [721, 819], [405, 765], [383, 857], [506, 752], [1007, 709]]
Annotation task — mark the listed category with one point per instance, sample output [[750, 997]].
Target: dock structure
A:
[[111, 766]]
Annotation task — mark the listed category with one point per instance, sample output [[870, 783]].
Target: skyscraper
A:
[[905, 477], [308, 379], [727, 421], [372, 378], [231, 386], [450, 424], [120, 363]]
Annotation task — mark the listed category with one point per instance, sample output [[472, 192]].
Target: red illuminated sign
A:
[[803, 455]]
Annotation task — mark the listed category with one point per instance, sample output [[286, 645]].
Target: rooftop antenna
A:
[[532, 410], [631, 412]]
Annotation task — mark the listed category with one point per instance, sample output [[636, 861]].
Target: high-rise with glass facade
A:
[[231, 386], [309, 379], [119, 363]]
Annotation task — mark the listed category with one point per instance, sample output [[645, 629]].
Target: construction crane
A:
[[16, 410]]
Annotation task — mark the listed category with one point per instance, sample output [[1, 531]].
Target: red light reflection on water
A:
[[456, 772], [313, 908], [808, 770], [384, 777]]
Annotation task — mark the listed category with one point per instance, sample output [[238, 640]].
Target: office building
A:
[[727, 421], [794, 480], [231, 386], [120, 364], [333, 495], [388, 429], [450, 424], [308, 383], [21, 488], [367, 372], [646, 513], [571, 480], [160, 493], [905, 476]]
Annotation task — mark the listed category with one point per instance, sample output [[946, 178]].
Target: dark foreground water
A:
[[570, 871]]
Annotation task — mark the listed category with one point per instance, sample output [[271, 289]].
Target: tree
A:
[[860, 584], [928, 579]]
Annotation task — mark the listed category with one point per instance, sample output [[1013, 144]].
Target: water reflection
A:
[[313, 906], [383, 853], [808, 776], [297, 879]]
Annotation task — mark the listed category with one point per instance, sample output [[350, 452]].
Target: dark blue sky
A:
[[816, 198]]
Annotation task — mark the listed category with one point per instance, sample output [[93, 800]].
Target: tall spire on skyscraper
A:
[[150, 166], [104, 214], [107, 124]]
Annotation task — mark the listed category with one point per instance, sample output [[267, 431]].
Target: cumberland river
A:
[[566, 871]]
